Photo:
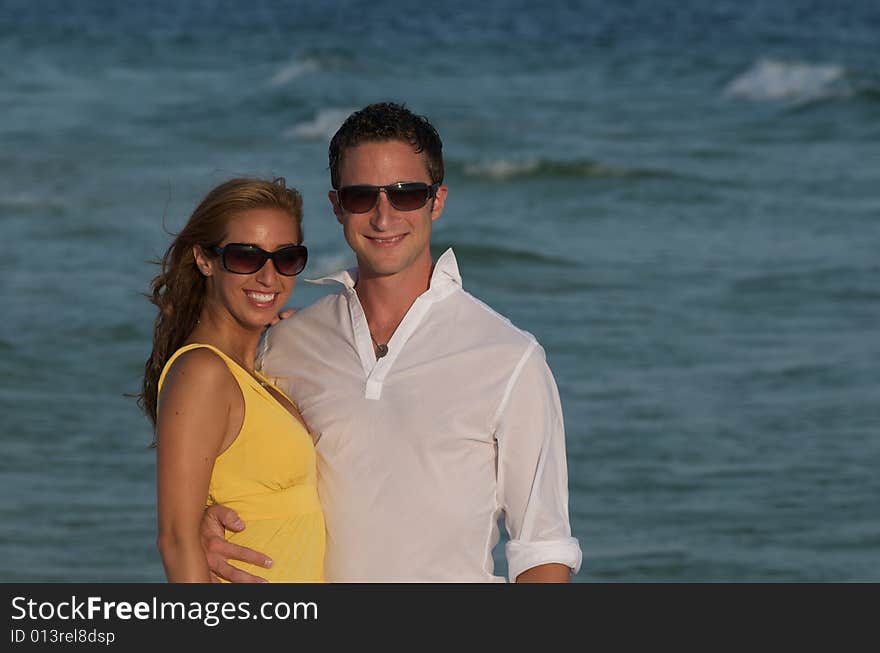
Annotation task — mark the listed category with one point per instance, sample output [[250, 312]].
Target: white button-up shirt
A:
[[421, 451]]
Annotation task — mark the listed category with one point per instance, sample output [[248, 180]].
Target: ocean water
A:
[[679, 199]]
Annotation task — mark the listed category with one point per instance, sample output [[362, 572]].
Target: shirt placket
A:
[[376, 370]]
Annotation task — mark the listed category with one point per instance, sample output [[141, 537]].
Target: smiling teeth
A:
[[261, 298]]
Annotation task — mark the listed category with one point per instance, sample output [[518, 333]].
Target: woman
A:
[[224, 433]]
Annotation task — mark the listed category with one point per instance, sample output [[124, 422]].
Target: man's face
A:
[[386, 240]]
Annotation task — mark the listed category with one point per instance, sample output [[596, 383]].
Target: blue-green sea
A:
[[680, 199]]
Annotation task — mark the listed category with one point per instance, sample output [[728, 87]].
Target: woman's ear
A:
[[205, 265]]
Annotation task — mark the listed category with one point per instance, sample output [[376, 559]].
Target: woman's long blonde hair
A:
[[179, 289]]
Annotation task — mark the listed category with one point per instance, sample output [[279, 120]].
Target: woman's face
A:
[[252, 300]]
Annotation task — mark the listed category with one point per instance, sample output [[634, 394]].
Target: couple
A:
[[401, 410]]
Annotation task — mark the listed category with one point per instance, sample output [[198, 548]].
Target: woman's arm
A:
[[193, 426]]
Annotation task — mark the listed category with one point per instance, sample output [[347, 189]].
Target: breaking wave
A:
[[770, 80], [322, 126], [504, 169]]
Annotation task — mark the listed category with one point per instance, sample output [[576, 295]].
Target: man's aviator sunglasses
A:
[[403, 196], [241, 258]]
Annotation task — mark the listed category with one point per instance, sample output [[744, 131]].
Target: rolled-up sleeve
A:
[[532, 470]]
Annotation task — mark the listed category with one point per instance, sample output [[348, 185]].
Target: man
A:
[[432, 414]]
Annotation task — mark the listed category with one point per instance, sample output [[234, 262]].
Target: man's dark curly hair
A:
[[387, 121]]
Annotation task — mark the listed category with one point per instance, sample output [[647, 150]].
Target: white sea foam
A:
[[29, 201], [322, 126], [503, 168], [771, 80], [293, 70]]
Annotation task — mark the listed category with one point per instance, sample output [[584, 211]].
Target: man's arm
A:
[[549, 573], [216, 520], [533, 476]]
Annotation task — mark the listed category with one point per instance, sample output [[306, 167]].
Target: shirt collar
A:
[[444, 279]]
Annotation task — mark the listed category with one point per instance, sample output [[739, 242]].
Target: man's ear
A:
[[206, 266], [334, 202], [439, 202]]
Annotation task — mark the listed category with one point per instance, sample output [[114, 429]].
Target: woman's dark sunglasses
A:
[[241, 258], [404, 196]]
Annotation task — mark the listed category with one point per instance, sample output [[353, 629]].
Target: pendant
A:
[[381, 350]]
